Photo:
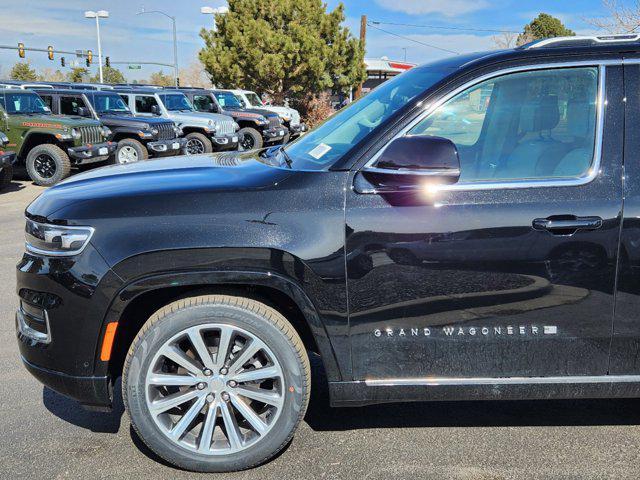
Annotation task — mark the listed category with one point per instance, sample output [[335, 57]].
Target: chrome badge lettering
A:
[[471, 331]]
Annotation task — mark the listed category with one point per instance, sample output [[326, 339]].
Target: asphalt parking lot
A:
[[45, 435]]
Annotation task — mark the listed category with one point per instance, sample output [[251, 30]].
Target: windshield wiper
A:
[[286, 157]]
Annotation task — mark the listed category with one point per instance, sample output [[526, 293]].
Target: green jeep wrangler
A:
[[49, 144]]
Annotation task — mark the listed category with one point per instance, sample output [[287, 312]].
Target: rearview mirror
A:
[[409, 163]]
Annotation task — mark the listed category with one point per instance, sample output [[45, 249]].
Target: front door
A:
[[510, 271]]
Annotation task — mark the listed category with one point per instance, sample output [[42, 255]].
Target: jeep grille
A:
[[166, 131], [225, 127], [274, 121], [91, 134]]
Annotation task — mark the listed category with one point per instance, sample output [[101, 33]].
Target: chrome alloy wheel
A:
[[195, 146], [127, 154], [214, 389]]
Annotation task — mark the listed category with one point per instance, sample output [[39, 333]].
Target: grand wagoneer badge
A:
[[452, 331]]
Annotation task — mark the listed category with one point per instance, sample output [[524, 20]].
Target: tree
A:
[[159, 78], [77, 74], [23, 71], [505, 40], [109, 75], [622, 18], [195, 76], [291, 48], [49, 75], [543, 26]]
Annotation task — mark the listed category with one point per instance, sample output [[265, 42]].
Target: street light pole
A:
[[98, 15], [213, 11], [175, 41]]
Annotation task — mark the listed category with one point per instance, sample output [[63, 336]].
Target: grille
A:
[[90, 134], [225, 127], [274, 121], [166, 131]]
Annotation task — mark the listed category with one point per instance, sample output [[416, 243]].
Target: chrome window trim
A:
[[444, 381], [588, 177], [445, 172]]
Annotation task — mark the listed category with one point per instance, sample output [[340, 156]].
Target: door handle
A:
[[566, 224]]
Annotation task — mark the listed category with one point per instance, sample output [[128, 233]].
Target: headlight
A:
[[261, 121], [236, 127], [210, 123], [154, 131], [3, 139], [178, 131], [55, 240], [106, 132], [75, 133]]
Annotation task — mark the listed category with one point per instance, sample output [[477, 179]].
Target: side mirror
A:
[[211, 107], [83, 112], [409, 163], [155, 109], [4, 140]]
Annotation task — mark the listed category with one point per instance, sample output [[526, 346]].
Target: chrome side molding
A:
[[443, 381]]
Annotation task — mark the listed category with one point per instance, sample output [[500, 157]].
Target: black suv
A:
[[137, 136], [464, 231], [258, 127], [7, 159]]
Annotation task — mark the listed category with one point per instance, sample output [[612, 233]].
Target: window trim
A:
[[586, 178]]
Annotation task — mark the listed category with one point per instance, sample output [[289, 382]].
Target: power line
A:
[[414, 40], [439, 27]]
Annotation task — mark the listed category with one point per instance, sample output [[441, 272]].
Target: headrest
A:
[[541, 115], [580, 118]]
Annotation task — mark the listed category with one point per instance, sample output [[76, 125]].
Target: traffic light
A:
[[62, 62], [21, 50], [50, 52], [107, 62], [89, 57]]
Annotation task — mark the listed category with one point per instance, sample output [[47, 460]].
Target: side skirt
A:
[[368, 392]]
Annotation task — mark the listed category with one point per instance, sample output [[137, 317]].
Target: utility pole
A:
[[363, 38]]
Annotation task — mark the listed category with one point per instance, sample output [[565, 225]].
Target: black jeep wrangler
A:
[[137, 137], [462, 232], [7, 159], [258, 127]]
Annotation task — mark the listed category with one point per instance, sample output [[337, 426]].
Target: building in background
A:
[[382, 69]]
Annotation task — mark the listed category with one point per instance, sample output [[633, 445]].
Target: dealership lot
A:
[[48, 436]]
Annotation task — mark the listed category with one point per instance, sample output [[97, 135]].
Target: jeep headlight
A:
[[75, 133], [106, 132], [261, 120], [178, 130], [56, 240], [236, 127]]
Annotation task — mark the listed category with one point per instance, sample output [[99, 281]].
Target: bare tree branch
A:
[[622, 18]]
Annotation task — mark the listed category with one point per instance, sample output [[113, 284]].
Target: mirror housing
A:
[[155, 109], [83, 112], [409, 164]]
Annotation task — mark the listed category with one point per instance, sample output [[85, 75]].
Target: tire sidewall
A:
[[208, 146], [255, 134], [59, 157], [6, 175], [135, 391]]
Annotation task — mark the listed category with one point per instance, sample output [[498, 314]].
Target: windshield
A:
[[321, 147], [23, 103], [254, 100], [175, 102], [108, 103], [227, 100]]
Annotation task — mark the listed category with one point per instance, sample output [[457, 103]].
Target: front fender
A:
[[199, 278]]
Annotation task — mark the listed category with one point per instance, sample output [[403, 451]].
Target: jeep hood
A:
[[196, 118], [166, 177], [132, 121]]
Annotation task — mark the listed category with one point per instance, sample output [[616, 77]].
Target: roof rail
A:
[[583, 40]]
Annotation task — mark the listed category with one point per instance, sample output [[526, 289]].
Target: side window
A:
[[70, 105], [527, 125], [204, 103], [48, 101], [144, 103]]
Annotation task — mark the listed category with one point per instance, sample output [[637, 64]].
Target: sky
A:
[[130, 37]]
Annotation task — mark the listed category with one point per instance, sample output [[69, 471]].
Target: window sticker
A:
[[320, 151]]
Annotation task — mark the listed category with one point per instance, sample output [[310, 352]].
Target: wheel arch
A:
[[33, 139], [137, 301]]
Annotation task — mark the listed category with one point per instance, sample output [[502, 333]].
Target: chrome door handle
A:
[[566, 223]]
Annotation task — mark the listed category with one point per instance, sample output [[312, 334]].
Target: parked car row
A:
[[54, 126]]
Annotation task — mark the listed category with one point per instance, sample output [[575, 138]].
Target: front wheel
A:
[[197, 143], [216, 383], [129, 151], [249, 139], [47, 164]]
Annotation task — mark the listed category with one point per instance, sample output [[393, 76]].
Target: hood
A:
[[167, 177], [56, 121], [132, 121], [280, 110], [196, 118]]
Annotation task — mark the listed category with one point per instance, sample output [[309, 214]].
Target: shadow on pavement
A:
[[70, 411], [13, 187]]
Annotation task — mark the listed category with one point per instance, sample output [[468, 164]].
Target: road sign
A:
[[135, 67]]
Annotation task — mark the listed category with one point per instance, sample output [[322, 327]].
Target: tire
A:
[[129, 150], [47, 164], [249, 139], [6, 175], [197, 143], [281, 359]]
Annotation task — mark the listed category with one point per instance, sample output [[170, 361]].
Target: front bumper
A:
[[7, 159], [92, 152], [174, 145], [225, 142], [274, 134]]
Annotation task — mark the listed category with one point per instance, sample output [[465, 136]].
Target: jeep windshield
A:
[[23, 103], [322, 147], [105, 103], [176, 102], [228, 100], [254, 100]]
